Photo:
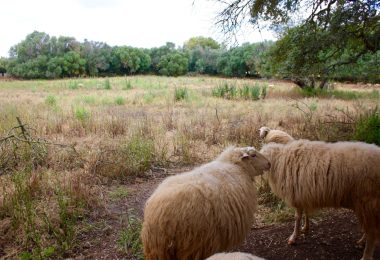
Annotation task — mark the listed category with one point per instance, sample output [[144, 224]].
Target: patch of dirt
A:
[[333, 236]]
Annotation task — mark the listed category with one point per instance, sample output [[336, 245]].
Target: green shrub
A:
[[81, 113], [181, 94], [107, 84], [264, 90], [139, 153], [127, 85], [130, 240], [74, 85], [119, 100], [225, 91], [51, 100], [367, 127], [255, 92]]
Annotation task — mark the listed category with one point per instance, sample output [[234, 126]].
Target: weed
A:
[[119, 193], [51, 100], [255, 92], [129, 239], [181, 94], [127, 85], [107, 84], [367, 127], [81, 113], [74, 85], [264, 91], [225, 91], [91, 100], [119, 100]]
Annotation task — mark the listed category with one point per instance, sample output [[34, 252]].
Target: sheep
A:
[[207, 210], [277, 136], [234, 256], [274, 135], [309, 175]]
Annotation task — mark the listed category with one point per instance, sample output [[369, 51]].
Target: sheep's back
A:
[[196, 214], [312, 174]]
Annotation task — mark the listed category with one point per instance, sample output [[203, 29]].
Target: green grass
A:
[[127, 85], [107, 84], [119, 193], [119, 100], [81, 113], [340, 94], [51, 100], [180, 94], [129, 239], [367, 127]]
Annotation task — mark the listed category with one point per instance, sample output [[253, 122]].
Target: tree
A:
[[157, 53], [332, 34], [3, 66], [200, 41], [173, 64], [97, 56], [130, 60]]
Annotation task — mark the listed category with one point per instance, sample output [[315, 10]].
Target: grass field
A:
[[81, 136]]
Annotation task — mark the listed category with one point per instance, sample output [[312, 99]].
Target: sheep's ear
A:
[[244, 156]]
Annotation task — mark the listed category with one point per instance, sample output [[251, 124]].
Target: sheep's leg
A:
[[297, 225], [305, 227], [369, 247], [361, 241]]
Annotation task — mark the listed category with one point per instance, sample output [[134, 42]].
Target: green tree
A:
[[97, 56], [201, 41], [332, 34], [130, 60], [3, 65], [157, 53], [173, 64]]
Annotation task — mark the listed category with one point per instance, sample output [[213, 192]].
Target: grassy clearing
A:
[[119, 129]]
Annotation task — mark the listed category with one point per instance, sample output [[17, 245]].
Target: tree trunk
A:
[[322, 84], [299, 82]]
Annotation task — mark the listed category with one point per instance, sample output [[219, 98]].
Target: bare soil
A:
[[332, 236]]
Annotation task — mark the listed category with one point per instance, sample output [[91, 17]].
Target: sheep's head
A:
[[264, 131], [253, 161]]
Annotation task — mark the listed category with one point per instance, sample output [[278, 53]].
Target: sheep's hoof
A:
[[291, 240]]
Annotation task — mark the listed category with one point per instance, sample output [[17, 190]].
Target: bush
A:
[[225, 91], [107, 84], [180, 94], [51, 100], [128, 85], [119, 100], [367, 127], [81, 113]]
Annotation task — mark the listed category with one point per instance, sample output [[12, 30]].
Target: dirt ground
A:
[[332, 236]]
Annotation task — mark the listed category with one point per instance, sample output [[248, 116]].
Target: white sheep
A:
[[234, 256], [274, 135], [310, 175], [207, 210]]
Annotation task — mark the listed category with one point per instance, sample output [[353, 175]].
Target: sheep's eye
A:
[[253, 155]]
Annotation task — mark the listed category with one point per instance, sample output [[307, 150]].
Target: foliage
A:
[[173, 64], [129, 60], [129, 239], [180, 94], [367, 127], [202, 42], [313, 45], [3, 65]]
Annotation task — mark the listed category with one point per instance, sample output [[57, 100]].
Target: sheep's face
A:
[[254, 161], [264, 131]]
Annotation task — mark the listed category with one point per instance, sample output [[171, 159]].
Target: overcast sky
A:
[[137, 23]]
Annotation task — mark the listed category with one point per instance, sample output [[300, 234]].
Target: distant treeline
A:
[[43, 56]]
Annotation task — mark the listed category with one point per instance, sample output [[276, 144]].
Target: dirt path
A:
[[333, 236]]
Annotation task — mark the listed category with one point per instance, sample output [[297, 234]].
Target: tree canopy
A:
[[317, 37]]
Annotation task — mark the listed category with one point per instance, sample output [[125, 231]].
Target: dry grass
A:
[[122, 133]]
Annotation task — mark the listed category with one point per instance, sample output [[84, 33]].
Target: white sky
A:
[[137, 23]]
